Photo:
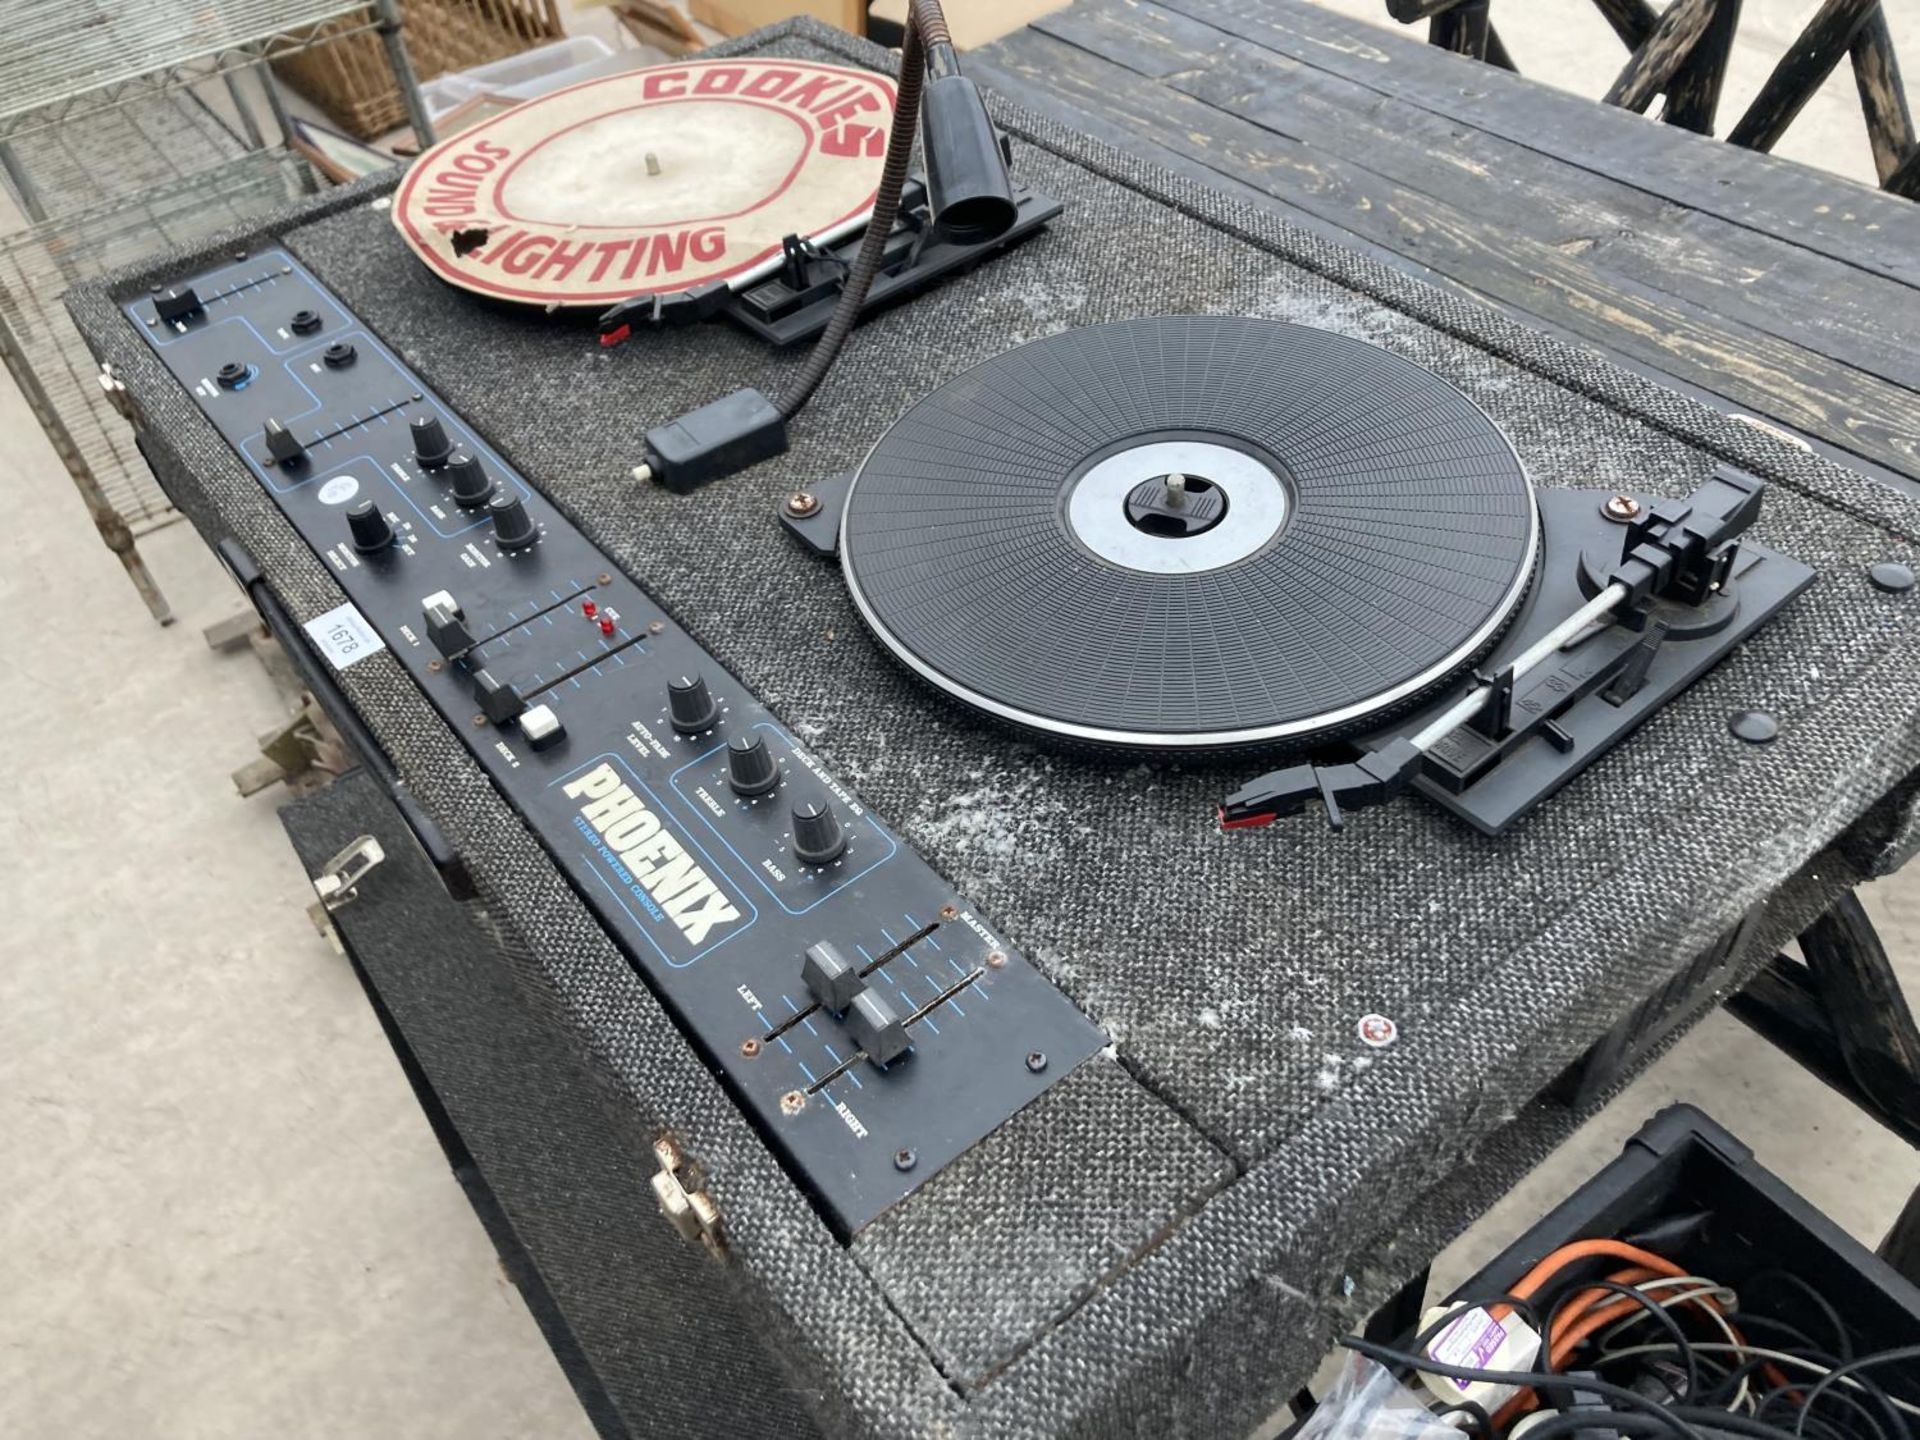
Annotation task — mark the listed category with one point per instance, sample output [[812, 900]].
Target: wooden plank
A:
[[1859, 413], [1876, 73], [981, 64], [1801, 71], [1776, 197], [1632, 20], [1693, 96], [1664, 52], [1835, 310]]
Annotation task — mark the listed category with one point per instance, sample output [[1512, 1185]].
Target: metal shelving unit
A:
[[68, 60], [113, 157], [45, 355]]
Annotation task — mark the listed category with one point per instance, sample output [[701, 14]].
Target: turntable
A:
[[1204, 535]]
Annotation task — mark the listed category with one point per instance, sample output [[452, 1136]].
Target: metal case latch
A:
[[690, 1211], [336, 882]]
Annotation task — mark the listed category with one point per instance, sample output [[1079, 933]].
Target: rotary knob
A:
[[818, 836], [691, 706], [751, 768], [430, 444], [471, 485], [513, 528], [369, 528]]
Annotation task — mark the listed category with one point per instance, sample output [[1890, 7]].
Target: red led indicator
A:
[[606, 627], [589, 609]]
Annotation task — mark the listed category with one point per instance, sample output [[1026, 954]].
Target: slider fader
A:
[[873, 1024]]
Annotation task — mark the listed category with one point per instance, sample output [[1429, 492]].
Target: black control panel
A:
[[870, 1021]]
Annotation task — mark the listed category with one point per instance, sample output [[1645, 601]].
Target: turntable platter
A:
[[1191, 533]]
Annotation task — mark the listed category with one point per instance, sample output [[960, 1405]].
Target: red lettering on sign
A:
[[831, 117], [606, 250], [564, 260], [493, 252], [720, 80], [655, 87], [807, 96], [768, 84], [527, 254], [709, 244], [851, 140]]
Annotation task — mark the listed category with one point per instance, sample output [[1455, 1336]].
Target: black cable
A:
[[1801, 1340], [1479, 1421], [926, 31], [1843, 1341], [1658, 1312], [1851, 1367], [1387, 1355], [1859, 1386], [1733, 1422], [1785, 1393], [1586, 1419]]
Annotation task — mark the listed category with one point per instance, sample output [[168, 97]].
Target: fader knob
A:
[[691, 705], [751, 768], [430, 444], [369, 528], [471, 485], [513, 528], [282, 446], [818, 836]]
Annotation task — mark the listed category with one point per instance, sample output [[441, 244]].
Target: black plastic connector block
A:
[[685, 307], [1683, 550], [716, 440], [1370, 780]]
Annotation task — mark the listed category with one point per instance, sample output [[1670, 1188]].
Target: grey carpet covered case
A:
[[1164, 1243]]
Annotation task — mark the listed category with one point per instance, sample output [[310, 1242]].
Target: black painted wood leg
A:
[[1632, 20], [1659, 58], [1901, 1248], [1693, 95], [1842, 1015], [1801, 71], [1464, 29]]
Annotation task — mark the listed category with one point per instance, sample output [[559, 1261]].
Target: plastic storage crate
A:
[[1683, 1166], [537, 72]]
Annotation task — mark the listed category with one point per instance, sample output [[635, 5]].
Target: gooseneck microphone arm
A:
[[970, 199]]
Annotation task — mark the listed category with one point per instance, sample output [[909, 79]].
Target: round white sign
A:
[[649, 182]]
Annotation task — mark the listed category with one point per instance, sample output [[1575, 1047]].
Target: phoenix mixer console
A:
[[872, 1023]]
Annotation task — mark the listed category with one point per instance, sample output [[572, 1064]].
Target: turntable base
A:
[[1190, 533]]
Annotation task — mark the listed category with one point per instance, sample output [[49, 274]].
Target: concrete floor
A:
[[220, 1211]]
